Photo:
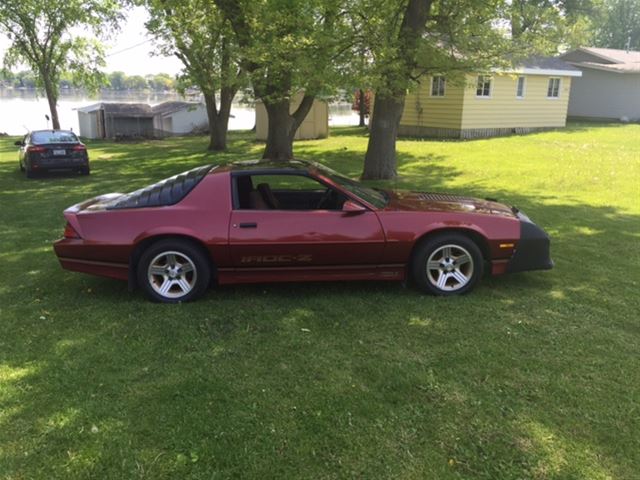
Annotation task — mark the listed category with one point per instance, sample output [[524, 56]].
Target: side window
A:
[[520, 87], [483, 86], [553, 89], [284, 192]]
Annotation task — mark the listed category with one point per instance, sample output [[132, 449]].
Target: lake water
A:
[[22, 110]]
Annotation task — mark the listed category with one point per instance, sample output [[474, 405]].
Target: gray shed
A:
[[609, 88], [116, 120]]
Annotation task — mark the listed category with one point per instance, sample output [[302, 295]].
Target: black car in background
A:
[[46, 150]]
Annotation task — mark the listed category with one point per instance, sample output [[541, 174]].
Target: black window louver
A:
[[166, 192]]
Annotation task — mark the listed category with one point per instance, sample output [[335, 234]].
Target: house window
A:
[[520, 87], [553, 91], [437, 86], [483, 88]]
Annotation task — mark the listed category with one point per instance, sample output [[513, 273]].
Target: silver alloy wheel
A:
[[172, 274], [449, 268]]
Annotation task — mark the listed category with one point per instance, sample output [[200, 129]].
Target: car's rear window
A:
[[166, 192], [53, 137]]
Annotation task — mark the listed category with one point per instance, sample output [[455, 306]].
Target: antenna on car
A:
[[26, 128]]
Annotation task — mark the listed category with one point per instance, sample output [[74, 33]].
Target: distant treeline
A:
[[119, 81]]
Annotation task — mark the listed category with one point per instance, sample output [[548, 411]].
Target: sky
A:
[[130, 50]]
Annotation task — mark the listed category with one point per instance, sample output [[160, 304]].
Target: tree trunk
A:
[[283, 127], [380, 160], [52, 99], [218, 119], [280, 131], [362, 106]]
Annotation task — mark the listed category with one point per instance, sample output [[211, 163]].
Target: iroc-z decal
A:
[[302, 258]]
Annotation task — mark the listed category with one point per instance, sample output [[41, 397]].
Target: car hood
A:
[[445, 202]]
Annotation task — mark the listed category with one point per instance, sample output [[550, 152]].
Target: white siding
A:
[[189, 119], [88, 124]]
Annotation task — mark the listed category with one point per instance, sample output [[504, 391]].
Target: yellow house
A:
[[529, 98], [315, 124]]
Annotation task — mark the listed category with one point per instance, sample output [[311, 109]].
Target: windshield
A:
[[377, 198], [53, 137]]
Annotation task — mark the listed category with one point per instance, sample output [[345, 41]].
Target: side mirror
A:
[[19, 143], [349, 206]]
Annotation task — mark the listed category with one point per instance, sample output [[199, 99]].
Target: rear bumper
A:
[[68, 252], [58, 163], [533, 248]]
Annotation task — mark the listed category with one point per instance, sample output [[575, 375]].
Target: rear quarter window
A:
[[166, 192]]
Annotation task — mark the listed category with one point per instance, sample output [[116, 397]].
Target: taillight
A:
[[79, 148], [36, 149], [69, 232]]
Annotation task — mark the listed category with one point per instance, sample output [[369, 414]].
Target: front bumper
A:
[[533, 248]]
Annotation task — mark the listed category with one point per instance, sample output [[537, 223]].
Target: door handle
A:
[[248, 225]]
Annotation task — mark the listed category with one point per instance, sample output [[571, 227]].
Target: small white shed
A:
[[315, 125], [176, 118]]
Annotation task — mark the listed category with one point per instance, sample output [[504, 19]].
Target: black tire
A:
[[30, 173], [85, 171], [454, 266], [185, 253]]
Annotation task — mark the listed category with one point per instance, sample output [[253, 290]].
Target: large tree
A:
[[406, 39], [42, 35], [201, 37], [286, 48], [547, 25], [618, 25]]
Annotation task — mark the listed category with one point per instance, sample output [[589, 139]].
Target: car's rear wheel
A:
[[30, 173], [172, 271], [85, 171], [447, 264]]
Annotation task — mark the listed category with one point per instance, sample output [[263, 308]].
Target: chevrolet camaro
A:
[[264, 221]]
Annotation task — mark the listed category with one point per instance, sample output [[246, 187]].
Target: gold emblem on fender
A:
[[302, 258]]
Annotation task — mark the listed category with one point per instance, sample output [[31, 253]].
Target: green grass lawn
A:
[[532, 376]]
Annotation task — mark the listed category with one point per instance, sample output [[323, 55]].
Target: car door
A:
[[303, 236]]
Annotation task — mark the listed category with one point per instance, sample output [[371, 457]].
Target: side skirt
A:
[[311, 274]]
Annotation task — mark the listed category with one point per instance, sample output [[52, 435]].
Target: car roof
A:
[[52, 130], [258, 165], [267, 167]]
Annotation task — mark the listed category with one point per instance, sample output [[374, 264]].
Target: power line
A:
[[129, 48]]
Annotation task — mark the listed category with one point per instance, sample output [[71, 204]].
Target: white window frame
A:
[[444, 86], [521, 95], [484, 81], [554, 97]]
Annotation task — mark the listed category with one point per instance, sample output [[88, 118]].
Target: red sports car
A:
[[262, 221]]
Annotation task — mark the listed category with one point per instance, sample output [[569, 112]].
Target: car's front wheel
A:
[[172, 271], [447, 264]]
